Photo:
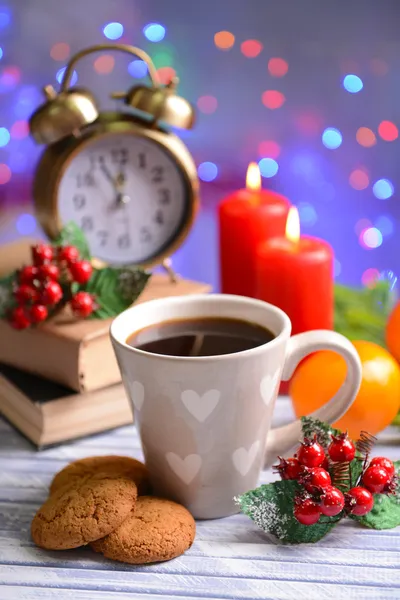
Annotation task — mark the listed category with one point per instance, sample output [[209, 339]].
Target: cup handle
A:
[[282, 439]]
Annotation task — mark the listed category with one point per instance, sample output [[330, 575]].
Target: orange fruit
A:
[[378, 401], [393, 332]]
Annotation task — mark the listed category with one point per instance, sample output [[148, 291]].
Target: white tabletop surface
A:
[[230, 558]]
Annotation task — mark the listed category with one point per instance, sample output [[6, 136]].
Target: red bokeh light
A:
[[60, 51], [251, 48], [19, 130], [388, 131], [165, 74], [269, 149], [104, 64], [369, 277], [379, 67], [5, 174], [278, 67], [273, 99], [359, 179], [309, 123]]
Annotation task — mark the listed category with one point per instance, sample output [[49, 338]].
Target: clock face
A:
[[127, 194]]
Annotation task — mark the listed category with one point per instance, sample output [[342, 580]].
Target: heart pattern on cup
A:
[[199, 406], [137, 393], [268, 385], [185, 468], [243, 459]]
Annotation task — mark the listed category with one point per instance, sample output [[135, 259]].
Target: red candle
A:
[[296, 274], [246, 218]]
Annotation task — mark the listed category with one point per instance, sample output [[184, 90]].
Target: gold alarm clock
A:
[[123, 177]]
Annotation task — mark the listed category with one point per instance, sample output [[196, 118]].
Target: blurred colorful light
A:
[[19, 130], [273, 99], [137, 68], [5, 174], [383, 189], [224, 40], [353, 84], [278, 67], [5, 17], [268, 167], [337, 267], [154, 32], [251, 48], [113, 31], [207, 104], [385, 224], [60, 75], [370, 277], [207, 171], [60, 51], [361, 225], [359, 179], [308, 123], [379, 67], [10, 77], [365, 137], [269, 149], [104, 64], [26, 224], [4, 137], [1, 53], [165, 74], [371, 238], [388, 131], [308, 214], [332, 138], [28, 98]]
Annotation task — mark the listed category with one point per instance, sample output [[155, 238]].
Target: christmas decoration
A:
[[329, 478], [62, 276]]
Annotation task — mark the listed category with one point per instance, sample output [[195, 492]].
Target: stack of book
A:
[[61, 381]]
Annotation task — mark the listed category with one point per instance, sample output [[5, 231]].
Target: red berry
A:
[[28, 274], [307, 512], [41, 253], [316, 477], [48, 271], [69, 254], [341, 448], [51, 294], [359, 501], [38, 313], [385, 463], [375, 479], [19, 319], [325, 464], [82, 304], [331, 502], [289, 468], [25, 293], [311, 453], [81, 271]]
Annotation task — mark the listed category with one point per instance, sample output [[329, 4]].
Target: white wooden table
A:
[[231, 558]]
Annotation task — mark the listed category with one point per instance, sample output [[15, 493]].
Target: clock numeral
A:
[[124, 241], [84, 180], [79, 201], [165, 196], [87, 224], [142, 160], [159, 217], [103, 237], [145, 235], [157, 174], [119, 156]]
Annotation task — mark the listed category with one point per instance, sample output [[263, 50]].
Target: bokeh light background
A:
[[309, 89]]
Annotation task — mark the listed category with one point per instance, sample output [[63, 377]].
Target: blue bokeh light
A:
[[383, 189], [28, 98], [154, 32], [386, 225], [5, 17], [113, 31], [1, 53], [26, 224], [4, 137], [332, 138], [137, 68], [308, 214], [337, 267], [268, 167], [353, 84], [60, 75], [207, 171]]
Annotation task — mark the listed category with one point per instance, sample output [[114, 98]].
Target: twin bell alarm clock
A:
[[122, 176]]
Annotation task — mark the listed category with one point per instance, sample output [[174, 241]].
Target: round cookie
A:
[[115, 465], [156, 530], [84, 511]]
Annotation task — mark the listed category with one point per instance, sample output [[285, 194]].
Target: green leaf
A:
[[386, 511], [72, 235], [115, 289], [6, 294], [271, 508], [310, 426], [397, 420]]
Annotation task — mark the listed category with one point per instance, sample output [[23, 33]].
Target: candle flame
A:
[[293, 225], [253, 177]]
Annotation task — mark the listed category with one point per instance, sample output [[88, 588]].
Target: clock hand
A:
[[107, 174]]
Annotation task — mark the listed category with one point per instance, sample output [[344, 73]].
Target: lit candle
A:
[[246, 218], [295, 273]]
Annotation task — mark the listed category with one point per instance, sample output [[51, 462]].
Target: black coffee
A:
[[200, 337]]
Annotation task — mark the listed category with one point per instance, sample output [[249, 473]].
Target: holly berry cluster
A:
[[317, 471], [52, 281]]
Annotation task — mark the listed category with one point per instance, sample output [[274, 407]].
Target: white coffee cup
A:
[[205, 422]]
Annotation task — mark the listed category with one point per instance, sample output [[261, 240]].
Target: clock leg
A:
[[167, 266]]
